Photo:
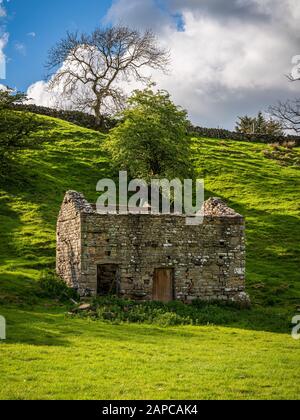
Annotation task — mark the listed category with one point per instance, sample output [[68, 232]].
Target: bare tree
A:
[[88, 69], [288, 112]]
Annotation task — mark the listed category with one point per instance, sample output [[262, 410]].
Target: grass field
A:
[[49, 355]]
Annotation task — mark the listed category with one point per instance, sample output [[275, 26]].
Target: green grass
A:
[[267, 194], [49, 356], [247, 354]]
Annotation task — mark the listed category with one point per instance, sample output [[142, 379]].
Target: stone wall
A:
[[68, 238], [208, 260]]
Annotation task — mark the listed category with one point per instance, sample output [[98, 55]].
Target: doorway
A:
[[163, 285], [108, 279]]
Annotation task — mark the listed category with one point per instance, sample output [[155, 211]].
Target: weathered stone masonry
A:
[[205, 261]]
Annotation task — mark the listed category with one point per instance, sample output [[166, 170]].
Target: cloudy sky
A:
[[229, 58]]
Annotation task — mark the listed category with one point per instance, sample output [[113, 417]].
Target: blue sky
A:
[[228, 58], [34, 26]]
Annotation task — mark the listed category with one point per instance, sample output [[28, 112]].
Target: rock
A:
[[139, 294], [216, 206], [84, 307], [243, 300]]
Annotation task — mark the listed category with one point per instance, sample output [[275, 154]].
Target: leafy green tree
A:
[[245, 125], [9, 97], [274, 128], [151, 140], [16, 128], [259, 125]]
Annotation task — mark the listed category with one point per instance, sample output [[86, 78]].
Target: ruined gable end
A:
[[68, 249]]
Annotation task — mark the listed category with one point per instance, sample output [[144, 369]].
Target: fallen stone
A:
[[84, 307], [243, 300]]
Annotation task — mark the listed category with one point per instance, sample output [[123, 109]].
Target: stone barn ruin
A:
[[151, 257]]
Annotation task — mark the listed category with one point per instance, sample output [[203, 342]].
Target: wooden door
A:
[[163, 285]]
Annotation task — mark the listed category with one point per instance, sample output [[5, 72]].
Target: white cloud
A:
[[218, 70], [21, 48], [31, 34], [231, 57], [39, 94], [3, 42], [138, 14]]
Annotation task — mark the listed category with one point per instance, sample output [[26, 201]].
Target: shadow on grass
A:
[[9, 223], [272, 253], [57, 329], [51, 326], [19, 288], [34, 328]]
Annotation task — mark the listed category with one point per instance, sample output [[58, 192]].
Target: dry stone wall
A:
[[68, 238]]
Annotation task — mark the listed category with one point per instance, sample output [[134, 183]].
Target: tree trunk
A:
[[99, 118], [97, 110]]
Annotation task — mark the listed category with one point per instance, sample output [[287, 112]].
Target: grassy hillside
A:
[[265, 190], [30, 199], [46, 350]]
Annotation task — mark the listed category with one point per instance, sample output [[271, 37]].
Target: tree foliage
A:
[[16, 129], [259, 125], [151, 141], [9, 97]]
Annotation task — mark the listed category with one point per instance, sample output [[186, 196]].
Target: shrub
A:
[[115, 310], [289, 144], [9, 97], [171, 319], [17, 132], [55, 288], [275, 146], [151, 141]]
